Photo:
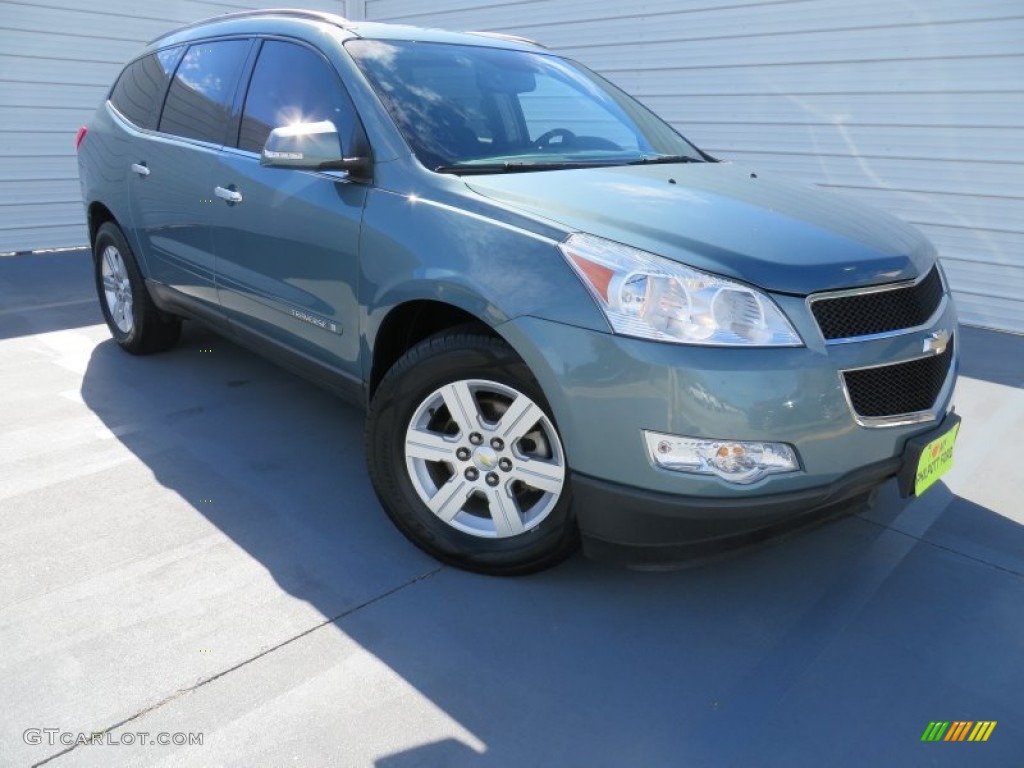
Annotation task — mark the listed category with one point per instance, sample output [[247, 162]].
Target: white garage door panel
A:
[[25, 146], [589, 19], [983, 247], [968, 212], [405, 11], [986, 311], [86, 24], [36, 168], [889, 44], [58, 59], [40, 191], [52, 214], [989, 312], [1001, 73], [966, 110], [57, 236], [806, 18], [15, 69], [201, 9], [49, 120], [67, 47], [951, 177], [169, 13], [517, 11], [969, 280], [43, 95], [936, 143]]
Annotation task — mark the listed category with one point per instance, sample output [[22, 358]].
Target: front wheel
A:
[[467, 460]]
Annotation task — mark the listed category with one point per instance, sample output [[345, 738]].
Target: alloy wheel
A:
[[485, 458], [117, 289]]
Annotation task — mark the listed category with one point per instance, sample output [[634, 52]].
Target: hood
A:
[[777, 235]]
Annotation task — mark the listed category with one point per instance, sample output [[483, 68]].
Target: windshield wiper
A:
[[658, 159], [512, 166]]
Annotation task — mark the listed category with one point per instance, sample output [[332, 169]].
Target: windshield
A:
[[466, 109]]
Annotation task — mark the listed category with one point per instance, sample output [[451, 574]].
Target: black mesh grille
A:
[[893, 390], [880, 311]]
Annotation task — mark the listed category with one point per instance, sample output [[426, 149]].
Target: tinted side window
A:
[[201, 95], [292, 84], [140, 89]]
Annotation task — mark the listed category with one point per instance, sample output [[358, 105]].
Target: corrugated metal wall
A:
[[915, 106], [57, 59]]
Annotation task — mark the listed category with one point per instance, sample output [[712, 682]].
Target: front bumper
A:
[[628, 526], [604, 390], [634, 527]]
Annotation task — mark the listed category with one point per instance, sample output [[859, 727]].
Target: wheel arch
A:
[[97, 215], [407, 324]]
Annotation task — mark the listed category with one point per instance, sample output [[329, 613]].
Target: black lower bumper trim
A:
[[635, 527]]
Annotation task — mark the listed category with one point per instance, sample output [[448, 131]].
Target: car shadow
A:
[[842, 643]]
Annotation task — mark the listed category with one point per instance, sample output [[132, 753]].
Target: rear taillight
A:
[[80, 137]]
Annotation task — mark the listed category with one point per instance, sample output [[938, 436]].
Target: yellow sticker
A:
[[935, 461]]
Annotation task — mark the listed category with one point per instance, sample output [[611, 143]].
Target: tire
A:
[[500, 485], [135, 322]]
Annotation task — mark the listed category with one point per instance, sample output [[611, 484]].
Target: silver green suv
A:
[[567, 322]]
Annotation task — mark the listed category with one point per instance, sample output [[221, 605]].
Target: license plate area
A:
[[928, 457]]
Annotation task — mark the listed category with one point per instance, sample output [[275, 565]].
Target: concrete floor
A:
[[189, 544]]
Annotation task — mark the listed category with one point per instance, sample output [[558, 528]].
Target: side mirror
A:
[[308, 146]]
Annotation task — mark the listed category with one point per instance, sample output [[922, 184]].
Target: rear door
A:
[[136, 98], [287, 247], [172, 193]]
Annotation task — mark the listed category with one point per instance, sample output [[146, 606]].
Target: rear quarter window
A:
[[201, 96], [139, 91]]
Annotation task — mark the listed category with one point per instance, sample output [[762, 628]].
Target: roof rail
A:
[[509, 38], [297, 13]]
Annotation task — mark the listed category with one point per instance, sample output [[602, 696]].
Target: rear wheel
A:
[[467, 460], [135, 322]]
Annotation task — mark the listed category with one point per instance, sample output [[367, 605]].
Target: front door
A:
[[287, 243]]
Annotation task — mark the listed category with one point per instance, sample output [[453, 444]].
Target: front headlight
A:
[[651, 297]]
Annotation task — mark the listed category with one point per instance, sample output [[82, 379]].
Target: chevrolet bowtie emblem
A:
[[937, 342]]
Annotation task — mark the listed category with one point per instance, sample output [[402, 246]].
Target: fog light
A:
[[735, 461]]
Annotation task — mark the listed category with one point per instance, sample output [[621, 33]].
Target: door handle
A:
[[140, 169], [230, 195]]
